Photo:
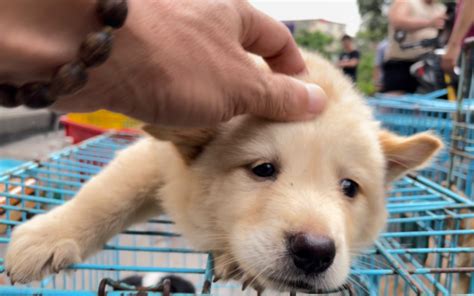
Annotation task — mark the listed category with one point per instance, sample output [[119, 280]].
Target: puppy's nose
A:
[[311, 253]]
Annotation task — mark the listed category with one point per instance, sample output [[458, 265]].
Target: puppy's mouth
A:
[[312, 286], [299, 285]]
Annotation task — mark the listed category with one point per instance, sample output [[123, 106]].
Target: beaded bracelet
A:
[[72, 76]]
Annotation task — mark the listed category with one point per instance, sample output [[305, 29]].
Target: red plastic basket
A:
[[82, 131], [79, 131]]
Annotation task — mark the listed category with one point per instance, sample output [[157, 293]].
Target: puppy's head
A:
[[286, 205]]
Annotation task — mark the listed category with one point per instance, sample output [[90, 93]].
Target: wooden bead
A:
[[112, 12], [96, 48], [69, 79], [35, 95], [8, 96]]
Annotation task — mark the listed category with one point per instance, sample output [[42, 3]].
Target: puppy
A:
[[279, 205]]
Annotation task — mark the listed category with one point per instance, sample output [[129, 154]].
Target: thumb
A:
[[287, 99]]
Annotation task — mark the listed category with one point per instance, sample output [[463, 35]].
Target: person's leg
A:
[[391, 80], [397, 79], [409, 81]]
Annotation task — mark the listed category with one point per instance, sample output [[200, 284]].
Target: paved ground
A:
[[35, 147], [18, 123]]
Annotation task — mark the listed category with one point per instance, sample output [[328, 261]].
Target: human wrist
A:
[[41, 36], [71, 76], [112, 85]]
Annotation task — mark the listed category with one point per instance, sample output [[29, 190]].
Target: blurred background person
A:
[[378, 65], [420, 19], [349, 58]]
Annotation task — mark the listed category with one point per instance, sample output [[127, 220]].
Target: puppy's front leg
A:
[[122, 194]]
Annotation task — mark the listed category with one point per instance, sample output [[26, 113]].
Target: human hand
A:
[[186, 63], [438, 21], [450, 58]]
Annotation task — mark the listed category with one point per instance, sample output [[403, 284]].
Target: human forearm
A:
[[462, 25], [173, 62], [348, 63], [410, 24], [352, 63]]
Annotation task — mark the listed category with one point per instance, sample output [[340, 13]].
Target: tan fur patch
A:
[[188, 141], [405, 154]]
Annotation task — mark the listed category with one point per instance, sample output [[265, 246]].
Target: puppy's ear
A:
[[189, 142], [404, 154]]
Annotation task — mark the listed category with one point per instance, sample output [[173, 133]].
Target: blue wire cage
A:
[[452, 121], [425, 249]]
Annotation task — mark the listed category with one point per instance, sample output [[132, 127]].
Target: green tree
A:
[[373, 29], [317, 41], [374, 21], [367, 46], [365, 71]]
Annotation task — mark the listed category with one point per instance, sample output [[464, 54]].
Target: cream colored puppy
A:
[[285, 203]]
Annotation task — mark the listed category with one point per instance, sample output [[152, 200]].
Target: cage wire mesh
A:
[[407, 115], [453, 121], [426, 249]]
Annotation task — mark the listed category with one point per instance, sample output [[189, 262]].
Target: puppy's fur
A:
[[202, 178]]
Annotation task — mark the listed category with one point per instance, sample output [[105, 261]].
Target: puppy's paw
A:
[[37, 249]]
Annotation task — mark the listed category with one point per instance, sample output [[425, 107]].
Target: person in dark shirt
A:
[[349, 58]]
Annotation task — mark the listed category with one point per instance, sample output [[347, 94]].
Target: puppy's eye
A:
[[264, 170], [349, 187]]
